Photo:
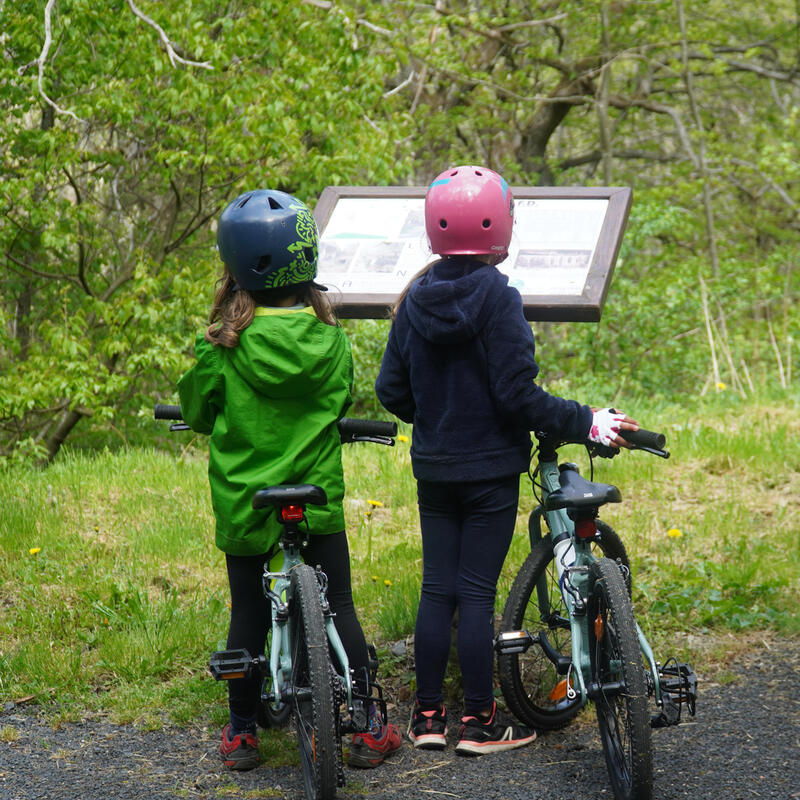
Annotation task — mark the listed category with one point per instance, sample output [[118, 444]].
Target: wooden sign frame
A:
[[591, 223]]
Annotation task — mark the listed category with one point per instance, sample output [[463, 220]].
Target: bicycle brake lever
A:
[[653, 451]]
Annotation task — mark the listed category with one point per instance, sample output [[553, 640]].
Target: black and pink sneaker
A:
[[428, 728], [239, 751], [477, 736]]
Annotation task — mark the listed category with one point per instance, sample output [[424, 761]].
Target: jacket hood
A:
[[288, 354], [451, 302]]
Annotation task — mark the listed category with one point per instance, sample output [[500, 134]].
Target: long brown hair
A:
[[402, 295], [233, 308]]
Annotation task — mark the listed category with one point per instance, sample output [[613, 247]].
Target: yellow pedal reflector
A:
[[231, 676]]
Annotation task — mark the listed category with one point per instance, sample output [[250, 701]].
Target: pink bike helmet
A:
[[469, 211]]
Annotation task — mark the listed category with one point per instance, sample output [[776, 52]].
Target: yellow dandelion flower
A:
[[375, 503], [674, 533], [374, 578], [387, 582], [402, 437], [34, 550], [721, 386]]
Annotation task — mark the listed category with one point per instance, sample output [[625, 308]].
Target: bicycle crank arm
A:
[[610, 689], [228, 665], [510, 642]]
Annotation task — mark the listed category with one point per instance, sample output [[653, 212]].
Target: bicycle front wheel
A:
[[618, 671], [312, 688], [531, 684]]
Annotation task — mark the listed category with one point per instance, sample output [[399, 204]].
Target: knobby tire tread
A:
[[315, 714], [623, 719]]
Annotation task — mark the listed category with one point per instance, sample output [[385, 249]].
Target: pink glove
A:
[[605, 426]]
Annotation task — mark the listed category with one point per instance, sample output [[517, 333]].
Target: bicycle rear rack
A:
[[678, 687]]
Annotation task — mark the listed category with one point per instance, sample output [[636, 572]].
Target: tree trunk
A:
[[69, 420]]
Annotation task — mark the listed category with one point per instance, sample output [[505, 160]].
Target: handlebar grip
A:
[[366, 427], [164, 411], [643, 438]]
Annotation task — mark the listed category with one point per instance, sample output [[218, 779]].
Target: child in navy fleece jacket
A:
[[459, 364]]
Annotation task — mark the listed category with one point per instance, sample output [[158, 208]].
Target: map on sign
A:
[[562, 253]]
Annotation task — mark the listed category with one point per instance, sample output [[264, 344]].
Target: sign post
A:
[[561, 258]]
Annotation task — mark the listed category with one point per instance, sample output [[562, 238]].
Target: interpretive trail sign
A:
[[561, 259]]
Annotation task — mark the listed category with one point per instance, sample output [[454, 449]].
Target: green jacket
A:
[[270, 405]]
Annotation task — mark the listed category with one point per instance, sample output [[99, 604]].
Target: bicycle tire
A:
[[312, 689], [614, 656], [529, 681]]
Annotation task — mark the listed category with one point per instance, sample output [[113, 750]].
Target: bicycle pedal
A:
[[228, 665], [678, 688], [509, 642]]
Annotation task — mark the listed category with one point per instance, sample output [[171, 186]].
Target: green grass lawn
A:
[[112, 594]]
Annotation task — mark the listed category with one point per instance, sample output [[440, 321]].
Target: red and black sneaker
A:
[[370, 749], [477, 736], [428, 728], [239, 751]]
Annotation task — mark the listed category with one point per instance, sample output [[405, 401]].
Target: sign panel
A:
[[561, 259]]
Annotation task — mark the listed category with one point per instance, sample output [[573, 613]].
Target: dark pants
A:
[[466, 533], [251, 615]]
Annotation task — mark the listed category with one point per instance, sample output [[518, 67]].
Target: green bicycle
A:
[[306, 672], [568, 632]]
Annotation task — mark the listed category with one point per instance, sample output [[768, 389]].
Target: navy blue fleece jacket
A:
[[459, 364]]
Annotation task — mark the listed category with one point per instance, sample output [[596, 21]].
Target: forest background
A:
[[127, 128]]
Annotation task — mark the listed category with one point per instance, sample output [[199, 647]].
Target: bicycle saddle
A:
[[577, 492], [290, 495]]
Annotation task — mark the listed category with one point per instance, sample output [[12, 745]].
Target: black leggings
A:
[[251, 617], [466, 532]]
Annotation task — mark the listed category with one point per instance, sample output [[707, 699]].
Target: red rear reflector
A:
[[585, 528], [292, 513]]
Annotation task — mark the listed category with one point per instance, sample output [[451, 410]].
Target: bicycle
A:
[[568, 632], [307, 672]]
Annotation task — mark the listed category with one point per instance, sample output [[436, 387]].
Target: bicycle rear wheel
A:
[[616, 663], [532, 686], [312, 688]]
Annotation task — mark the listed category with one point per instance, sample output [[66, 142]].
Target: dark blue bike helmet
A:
[[268, 239]]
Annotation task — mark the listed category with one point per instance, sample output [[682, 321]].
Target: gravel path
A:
[[745, 743]]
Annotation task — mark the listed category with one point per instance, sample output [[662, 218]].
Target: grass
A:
[[112, 594]]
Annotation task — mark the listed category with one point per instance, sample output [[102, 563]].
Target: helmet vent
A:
[[244, 202], [487, 223], [442, 223], [478, 173], [308, 252], [274, 204], [263, 264]]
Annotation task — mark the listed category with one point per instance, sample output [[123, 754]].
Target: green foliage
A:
[[109, 201]]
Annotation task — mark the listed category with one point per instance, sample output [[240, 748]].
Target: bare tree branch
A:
[[48, 40], [166, 41]]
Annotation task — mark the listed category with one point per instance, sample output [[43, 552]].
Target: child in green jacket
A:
[[273, 376]]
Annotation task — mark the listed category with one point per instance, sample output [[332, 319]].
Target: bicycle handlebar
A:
[[350, 429], [648, 441], [164, 411], [644, 439]]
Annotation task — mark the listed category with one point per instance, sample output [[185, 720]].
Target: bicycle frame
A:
[[276, 586], [575, 575]]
